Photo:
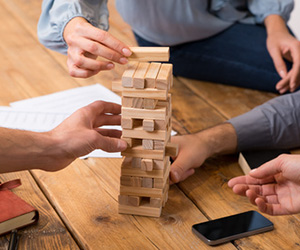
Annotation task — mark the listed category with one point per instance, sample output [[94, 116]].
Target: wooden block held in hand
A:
[[148, 125], [171, 149], [147, 164], [151, 75], [158, 145], [128, 74], [139, 75], [157, 54], [147, 144]]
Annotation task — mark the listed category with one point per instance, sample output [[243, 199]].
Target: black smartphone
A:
[[233, 227]]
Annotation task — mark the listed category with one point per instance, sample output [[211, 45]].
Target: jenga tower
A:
[[146, 125]]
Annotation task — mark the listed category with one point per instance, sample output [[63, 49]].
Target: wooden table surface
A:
[[78, 205]]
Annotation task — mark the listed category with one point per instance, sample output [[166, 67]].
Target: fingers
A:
[[110, 144], [295, 77], [268, 169], [107, 120], [249, 180], [176, 177], [102, 107], [109, 132], [284, 84], [278, 61]]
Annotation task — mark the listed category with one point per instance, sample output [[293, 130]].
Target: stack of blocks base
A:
[[146, 126]]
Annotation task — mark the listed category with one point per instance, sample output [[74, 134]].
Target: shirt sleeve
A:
[[274, 124], [261, 9], [57, 13]]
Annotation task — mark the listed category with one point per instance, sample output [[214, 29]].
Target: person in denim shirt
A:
[[237, 42]]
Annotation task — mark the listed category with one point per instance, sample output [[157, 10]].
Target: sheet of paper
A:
[[70, 100]]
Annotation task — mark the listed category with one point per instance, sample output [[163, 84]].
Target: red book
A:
[[14, 212]]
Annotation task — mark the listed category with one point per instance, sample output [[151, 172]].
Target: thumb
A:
[[268, 169], [180, 169], [110, 144]]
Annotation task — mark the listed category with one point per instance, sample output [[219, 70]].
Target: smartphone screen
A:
[[232, 227]]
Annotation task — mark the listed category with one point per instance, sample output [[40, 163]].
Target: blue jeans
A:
[[237, 56]]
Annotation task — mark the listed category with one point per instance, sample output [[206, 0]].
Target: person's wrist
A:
[[275, 24], [71, 26]]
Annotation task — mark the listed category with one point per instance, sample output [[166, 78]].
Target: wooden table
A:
[[78, 205]]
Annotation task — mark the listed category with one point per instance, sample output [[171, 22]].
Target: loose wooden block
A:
[[151, 75], [147, 165], [142, 191], [158, 54], [147, 144], [128, 74], [142, 173], [136, 162], [155, 202], [158, 113], [134, 201], [139, 75], [148, 125], [163, 80], [147, 182], [126, 123], [150, 103]]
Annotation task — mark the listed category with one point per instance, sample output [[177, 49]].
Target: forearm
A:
[[221, 139], [23, 150]]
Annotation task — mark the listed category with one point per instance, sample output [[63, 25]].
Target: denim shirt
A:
[[167, 22]]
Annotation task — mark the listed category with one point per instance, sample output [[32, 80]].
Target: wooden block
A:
[[126, 161], [145, 210], [139, 75], [161, 182], [139, 151], [158, 145], [150, 93], [145, 54], [147, 182], [142, 173], [137, 103], [126, 181], [126, 123], [171, 149], [147, 144], [127, 102], [148, 125], [134, 201], [136, 162], [140, 133], [142, 191], [157, 113], [158, 164], [136, 181], [155, 202], [151, 75], [123, 199], [147, 165], [128, 74], [163, 80], [150, 103]]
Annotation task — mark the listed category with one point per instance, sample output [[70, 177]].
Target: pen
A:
[[14, 240]]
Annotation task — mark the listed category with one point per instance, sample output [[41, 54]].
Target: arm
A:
[[79, 28], [274, 187], [77, 136], [274, 124], [280, 43]]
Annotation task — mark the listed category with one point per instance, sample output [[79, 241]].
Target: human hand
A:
[[192, 152], [86, 43], [282, 45], [274, 187], [80, 134]]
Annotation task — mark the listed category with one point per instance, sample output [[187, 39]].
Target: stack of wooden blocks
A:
[[146, 126]]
